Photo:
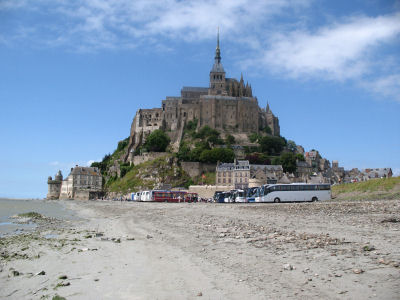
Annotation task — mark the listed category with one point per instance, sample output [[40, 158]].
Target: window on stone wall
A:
[[229, 180], [224, 180]]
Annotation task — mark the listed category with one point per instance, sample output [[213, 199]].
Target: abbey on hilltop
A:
[[227, 105]]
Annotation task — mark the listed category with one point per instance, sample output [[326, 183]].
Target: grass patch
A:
[[32, 214], [57, 297], [384, 188], [373, 185], [144, 176]]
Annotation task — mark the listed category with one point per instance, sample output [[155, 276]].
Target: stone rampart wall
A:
[[197, 168], [139, 159]]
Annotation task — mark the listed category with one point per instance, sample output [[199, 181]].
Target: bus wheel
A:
[[277, 200], [314, 199]]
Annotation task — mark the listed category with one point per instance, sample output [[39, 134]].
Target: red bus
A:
[[174, 196]]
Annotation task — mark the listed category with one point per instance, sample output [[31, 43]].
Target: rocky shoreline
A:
[[125, 250]]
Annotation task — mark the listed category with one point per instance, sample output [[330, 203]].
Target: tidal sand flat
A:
[[9, 208], [126, 250]]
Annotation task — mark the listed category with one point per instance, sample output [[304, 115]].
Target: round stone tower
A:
[[54, 186]]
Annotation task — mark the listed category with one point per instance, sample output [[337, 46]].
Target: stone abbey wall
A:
[[227, 105]]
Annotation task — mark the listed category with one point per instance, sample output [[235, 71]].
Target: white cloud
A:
[[89, 163], [388, 87], [95, 24], [339, 52]]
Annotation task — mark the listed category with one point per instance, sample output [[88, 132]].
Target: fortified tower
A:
[[54, 186]]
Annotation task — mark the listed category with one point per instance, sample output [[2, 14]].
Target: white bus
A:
[[145, 196], [239, 196], [293, 192]]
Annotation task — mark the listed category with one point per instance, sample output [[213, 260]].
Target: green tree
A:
[[103, 164], [230, 139], [217, 154], [157, 141], [276, 161], [183, 152], [206, 131], [254, 137], [272, 144], [267, 129], [191, 125], [300, 157], [122, 144], [288, 161]]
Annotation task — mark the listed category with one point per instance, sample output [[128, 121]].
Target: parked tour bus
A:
[[293, 192], [173, 196], [228, 197], [135, 196], [219, 197], [251, 194], [145, 196], [239, 196]]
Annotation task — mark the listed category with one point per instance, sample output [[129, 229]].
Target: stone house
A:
[[82, 183], [236, 174], [378, 173]]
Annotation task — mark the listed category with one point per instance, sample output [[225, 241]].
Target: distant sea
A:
[[11, 207]]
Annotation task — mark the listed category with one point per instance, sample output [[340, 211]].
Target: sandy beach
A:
[[126, 250]]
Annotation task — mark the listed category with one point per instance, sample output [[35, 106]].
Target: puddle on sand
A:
[[51, 236], [5, 223]]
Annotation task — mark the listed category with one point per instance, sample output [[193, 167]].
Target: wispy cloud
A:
[[99, 24], [340, 51], [347, 49], [388, 86]]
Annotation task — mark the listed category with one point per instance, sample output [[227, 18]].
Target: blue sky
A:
[[73, 74]]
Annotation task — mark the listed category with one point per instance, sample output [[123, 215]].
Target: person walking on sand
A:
[[179, 198]]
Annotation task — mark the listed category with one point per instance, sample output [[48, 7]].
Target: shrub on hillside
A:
[[157, 141]]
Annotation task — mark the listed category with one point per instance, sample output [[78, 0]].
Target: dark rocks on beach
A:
[[288, 267], [41, 273], [63, 277], [15, 273], [149, 236], [391, 220], [368, 248]]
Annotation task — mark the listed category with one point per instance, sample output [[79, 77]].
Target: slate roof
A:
[[267, 167], [85, 171], [195, 89]]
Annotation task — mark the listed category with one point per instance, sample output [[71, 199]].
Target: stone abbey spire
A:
[[217, 74]]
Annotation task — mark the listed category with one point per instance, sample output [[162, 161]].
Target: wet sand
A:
[[125, 250]]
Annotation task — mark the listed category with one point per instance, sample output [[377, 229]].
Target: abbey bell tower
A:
[[217, 74]]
